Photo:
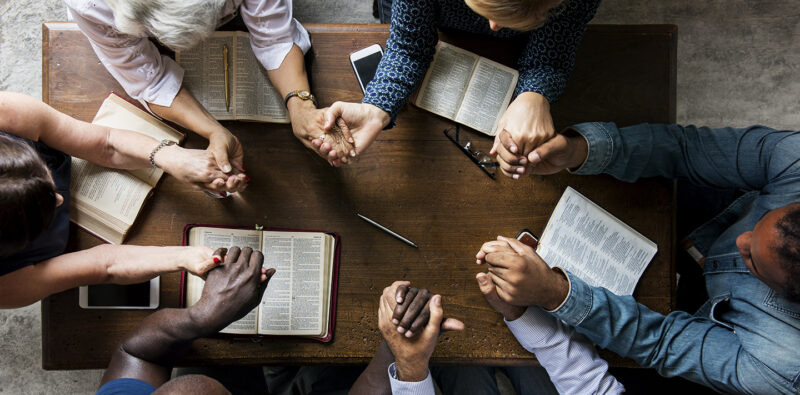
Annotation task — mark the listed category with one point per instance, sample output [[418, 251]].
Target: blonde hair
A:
[[177, 24], [522, 15]]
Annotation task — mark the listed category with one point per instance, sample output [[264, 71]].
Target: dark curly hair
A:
[[788, 249], [27, 195]]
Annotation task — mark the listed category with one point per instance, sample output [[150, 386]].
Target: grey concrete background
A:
[[738, 64]]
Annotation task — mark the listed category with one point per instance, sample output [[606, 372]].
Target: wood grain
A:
[[412, 179]]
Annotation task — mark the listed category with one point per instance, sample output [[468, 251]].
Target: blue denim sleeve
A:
[[408, 53], [549, 55], [678, 344], [752, 158]]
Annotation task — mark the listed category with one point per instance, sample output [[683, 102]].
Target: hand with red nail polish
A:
[[198, 260]]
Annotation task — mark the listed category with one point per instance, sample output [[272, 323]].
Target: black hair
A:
[[27, 195], [788, 249]]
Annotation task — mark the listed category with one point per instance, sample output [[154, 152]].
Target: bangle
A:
[[160, 145]]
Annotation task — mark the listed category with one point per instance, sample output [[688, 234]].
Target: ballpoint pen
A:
[[227, 84], [387, 230]]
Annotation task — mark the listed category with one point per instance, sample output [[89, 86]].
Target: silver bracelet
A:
[[161, 145]]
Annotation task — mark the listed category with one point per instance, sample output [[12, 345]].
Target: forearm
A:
[[570, 360], [189, 113], [151, 349], [291, 76], [374, 379]]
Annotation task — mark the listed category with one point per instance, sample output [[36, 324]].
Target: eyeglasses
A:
[[483, 160]]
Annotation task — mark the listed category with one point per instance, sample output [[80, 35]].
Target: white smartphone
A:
[[112, 296], [365, 64]]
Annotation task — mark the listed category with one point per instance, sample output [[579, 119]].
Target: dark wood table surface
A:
[[411, 179]]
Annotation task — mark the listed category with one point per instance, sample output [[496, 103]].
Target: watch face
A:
[[305, 95]]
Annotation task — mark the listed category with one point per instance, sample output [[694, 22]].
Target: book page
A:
[[255, 97], [292, 303], [114, 192], [446, 80], [586, 240], [204, 73], [224, 238], [116, 112], [487, 96]]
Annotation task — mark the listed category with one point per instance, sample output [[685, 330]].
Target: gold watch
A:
[[302, 95]]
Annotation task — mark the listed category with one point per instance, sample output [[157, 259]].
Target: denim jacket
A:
[[746, 336]]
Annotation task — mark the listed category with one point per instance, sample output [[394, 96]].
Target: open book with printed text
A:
[[300, 297], [592, 244], [252, 96], [106, 201], [467, 88]]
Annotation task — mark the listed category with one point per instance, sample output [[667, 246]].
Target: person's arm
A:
[[749, 158], [570, 360], [153, 79], [29, 118], [279, 42], [231, 291], [373, 380], [544, 68], [117, 264]]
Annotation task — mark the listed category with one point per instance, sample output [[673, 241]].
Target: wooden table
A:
[[412, 179]]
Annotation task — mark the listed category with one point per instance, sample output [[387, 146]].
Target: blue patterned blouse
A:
[[544, 65]]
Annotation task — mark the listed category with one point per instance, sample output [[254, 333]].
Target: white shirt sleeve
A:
[[424, 387], [134, 62], [273, 31], [569, 358]]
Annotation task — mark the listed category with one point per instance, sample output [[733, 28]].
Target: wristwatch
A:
[[302, 95]]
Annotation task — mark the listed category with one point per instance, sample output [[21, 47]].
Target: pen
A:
[[387, 230], [227, 85]]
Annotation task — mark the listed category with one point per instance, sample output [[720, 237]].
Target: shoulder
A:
[[96, 11]]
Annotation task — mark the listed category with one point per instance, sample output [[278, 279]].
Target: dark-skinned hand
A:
[[412, 310], [232, 289]]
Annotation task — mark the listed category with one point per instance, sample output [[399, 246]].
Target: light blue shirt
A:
[[745, 338]]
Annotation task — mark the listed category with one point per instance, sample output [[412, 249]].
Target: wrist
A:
[[513, 313], [559, 292], [297, 105], [580, 149], [166, 156], [379, 115], [411, 371]]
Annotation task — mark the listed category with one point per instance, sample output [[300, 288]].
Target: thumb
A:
[[221, 156], [496, 143], [452, 324], [437, 314], [333, 112], [487, 286], [550, 147]]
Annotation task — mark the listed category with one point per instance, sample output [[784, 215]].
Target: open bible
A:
[[252, 97], [592, 244], [467, 88], [106, 201], [300, 297]]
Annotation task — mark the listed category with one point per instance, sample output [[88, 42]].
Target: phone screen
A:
[[106, 295], [366, 67]]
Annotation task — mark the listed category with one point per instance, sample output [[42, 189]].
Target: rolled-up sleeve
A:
[[273, 31], [424, 387], [134, 62]]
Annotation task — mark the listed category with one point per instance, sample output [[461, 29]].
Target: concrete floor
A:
[[737, 65]]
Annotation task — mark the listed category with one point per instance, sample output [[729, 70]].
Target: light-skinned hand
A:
[[361, 122], [525, 125], [227, 150], [308, 124], [199, 168]]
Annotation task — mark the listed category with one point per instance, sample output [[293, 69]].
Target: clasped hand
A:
[[525, 125], [232, 289]]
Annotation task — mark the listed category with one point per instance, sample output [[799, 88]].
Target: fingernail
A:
[[482, 280], [536, 156], [514, 149], [399, 300], [353, 153], [515, 176], [351, 140], [246, 178], [520, 170], [409, 334], [226, 168], [401, 329], [395, 321], [437, 300], [217, 260], [243, 169], [523, 161]]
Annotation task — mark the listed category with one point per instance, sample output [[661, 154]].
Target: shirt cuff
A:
[[534, 328], [424, 387], [272, 56], [600, 144], [578, 304]]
